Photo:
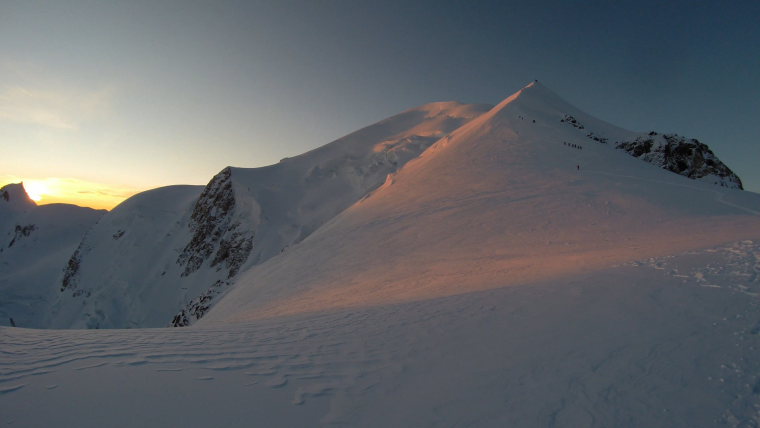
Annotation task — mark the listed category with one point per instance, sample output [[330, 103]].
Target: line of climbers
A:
[[575, 146]]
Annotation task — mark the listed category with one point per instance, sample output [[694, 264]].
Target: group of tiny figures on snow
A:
[[575, 146]]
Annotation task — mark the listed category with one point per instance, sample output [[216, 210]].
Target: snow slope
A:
[[123, 273], [661, 342], [35, 242], [164, 255], [506, 199]]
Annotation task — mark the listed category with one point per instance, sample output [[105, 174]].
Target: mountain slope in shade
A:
[[512, 197], [123, 273], [35, 242], [163, 256]]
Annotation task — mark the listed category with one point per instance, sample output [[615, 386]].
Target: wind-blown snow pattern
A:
[[445, 267], [635, 345], [35, 242]]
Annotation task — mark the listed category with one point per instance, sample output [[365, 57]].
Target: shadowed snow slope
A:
[[124, 274], [35, 242], [508, 198]]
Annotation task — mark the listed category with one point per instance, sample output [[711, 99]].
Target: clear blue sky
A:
[[136, 94]]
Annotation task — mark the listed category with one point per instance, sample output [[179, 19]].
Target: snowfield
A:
[[525, 265], [661, 342]]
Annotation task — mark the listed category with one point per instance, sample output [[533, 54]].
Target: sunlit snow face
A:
[[36, 189]]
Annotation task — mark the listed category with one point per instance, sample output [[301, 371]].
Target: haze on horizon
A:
[[104, 100]]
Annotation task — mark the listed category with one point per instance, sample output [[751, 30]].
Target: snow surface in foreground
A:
[[669, 342]]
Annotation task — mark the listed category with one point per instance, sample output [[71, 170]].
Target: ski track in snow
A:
[[660, 351]]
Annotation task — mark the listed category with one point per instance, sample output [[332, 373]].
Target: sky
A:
[[102, 99]]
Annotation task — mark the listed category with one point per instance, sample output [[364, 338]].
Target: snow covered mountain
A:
[[35, 244], [513, 196], [162, 256], [524, 266]]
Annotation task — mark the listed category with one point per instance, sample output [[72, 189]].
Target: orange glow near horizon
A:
[[84, 193]]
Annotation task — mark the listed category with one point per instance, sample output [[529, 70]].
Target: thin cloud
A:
[[65, 110]]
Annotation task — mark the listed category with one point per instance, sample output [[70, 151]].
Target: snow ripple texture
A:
[[670, 342]]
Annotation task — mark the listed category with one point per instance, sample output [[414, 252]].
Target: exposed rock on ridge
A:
[[215, 231], [687, 157]]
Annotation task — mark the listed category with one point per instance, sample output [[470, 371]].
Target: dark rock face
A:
[[569, 119], [218, 237], [71, 276], [71, 271], [197, 308], [22, 232], [687, 157], [215, 233], [597, 138]]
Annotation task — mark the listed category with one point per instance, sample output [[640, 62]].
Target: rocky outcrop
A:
[[197, 307], [71, 272], [570, 120], [687, 157], [221, 236], [21, 232], [216, 234]]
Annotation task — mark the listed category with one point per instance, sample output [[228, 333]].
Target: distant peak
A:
[[15, 194], [536, 86], [534, 97]]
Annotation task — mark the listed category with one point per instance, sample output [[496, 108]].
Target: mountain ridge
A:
[[170, 265], [514, 196]]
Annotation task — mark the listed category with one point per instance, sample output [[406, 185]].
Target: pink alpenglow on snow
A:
[[454, 265]]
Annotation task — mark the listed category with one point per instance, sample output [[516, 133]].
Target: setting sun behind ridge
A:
[[36, 190], [84, 193]]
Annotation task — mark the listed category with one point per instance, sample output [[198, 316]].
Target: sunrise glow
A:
[[36, 190], [52, 190]]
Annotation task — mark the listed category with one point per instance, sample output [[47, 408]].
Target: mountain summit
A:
[[531, 190], [518, 265], [15, 197], [441, 199]]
